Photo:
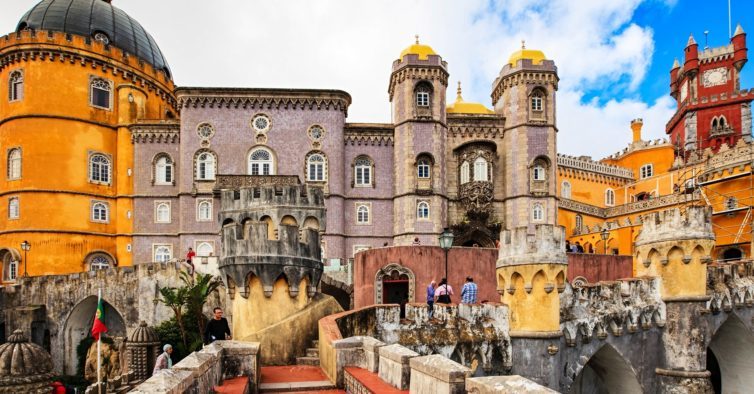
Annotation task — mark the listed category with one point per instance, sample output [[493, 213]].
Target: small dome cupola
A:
[[421, 50], [462, 107], [24, 367], [534, 55]]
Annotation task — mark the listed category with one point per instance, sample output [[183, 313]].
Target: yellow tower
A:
[[77, 74]]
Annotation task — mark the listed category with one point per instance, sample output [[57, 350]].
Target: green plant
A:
[[199, 289], [175, 299], [168, 333]]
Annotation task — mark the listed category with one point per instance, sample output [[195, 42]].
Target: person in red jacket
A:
[[190, 260], [57, 388]]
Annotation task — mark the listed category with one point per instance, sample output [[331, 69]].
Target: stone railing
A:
[[580, 207], [654, 203], [610, 307], [741, 154], [202, 371], [594, 166], [731, 285]]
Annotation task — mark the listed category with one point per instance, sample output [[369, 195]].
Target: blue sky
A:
[[613, 56]]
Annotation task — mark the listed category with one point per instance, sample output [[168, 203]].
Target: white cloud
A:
[[350, 45]]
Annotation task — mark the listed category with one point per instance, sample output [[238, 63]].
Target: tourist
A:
[[57, 387], [164, 361], [190, 260], [579, 248], [431, 297], [443, 292], [469, 291], [217, 327], [591, 249], [568, 247], [416, 241]]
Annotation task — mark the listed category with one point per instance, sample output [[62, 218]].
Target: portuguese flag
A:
[[99, 321]]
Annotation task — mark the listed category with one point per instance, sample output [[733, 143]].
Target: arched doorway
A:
[[729, 357], [731, 254], [606, 372], [78, 326], [394, 284]]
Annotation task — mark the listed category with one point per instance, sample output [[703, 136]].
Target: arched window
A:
[[722, 122], [99, 262], [565, 189], [163, 170], [422, 210], [14, 164], [424, 169], [205, 166], [99, 169], [362, 214], [714, 123], [12, 270], [100, 212], [204, 210], [538, 173], [260, 162], [423, 95], [162, 212], [205, 249], [13, 208], [465, 172], [609, 197], [538, 213], [363, 171], [162, 253], [316, 168], [579, 223], [100, 93], [480, 170], [646, 171], [16, 86], [537, 104]]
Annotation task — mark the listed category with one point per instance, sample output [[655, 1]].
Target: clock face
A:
[[715, 77]]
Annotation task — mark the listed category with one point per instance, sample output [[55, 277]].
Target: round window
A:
[[99, 36], [260, 123], [316, 132], [205, 131]]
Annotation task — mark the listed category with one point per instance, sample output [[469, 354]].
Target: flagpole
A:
[[99, 349]]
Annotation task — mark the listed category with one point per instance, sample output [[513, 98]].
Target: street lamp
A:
[[446, 242], [604, 234], [25, 246]]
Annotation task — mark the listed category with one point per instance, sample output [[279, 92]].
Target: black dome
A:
[[90, 17]]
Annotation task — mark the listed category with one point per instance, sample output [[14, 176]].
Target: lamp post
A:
[[446, 242], [604, 234], [25, 246]]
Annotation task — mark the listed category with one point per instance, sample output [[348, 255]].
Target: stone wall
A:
[[599, 267]]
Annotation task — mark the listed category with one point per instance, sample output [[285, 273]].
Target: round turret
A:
[[24, 367], [144, 347]]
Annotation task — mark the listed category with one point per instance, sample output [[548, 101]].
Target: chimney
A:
[[636, 125]]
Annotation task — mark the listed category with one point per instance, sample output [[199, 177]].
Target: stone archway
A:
[[606, 372], [78, 326], [729, 353], [395, 272]]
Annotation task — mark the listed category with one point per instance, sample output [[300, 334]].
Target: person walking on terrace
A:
[[431, 297], [469, 291], [443, 292], [217, 328]]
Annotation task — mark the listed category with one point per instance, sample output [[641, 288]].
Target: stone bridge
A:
[[57, 311]]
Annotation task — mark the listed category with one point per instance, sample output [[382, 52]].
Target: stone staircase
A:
[[312, 355]]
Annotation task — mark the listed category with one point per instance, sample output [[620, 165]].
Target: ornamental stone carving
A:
[[476, 197], [393, 271], [24, 367]]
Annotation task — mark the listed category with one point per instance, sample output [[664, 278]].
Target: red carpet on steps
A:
[[292, 373], [372, 381]]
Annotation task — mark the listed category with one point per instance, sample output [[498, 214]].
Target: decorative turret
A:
[[740, 52], [24, 367], [674, 78], [636, 125], [691, 59], [143, 349]]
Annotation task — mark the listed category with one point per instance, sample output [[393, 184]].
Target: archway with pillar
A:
[[78, 326], [729, 357], [606, 372]]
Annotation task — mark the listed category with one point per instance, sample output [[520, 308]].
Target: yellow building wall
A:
[[57, 128], [531, 292], [257, 312]]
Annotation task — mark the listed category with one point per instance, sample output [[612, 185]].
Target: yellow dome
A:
[[534, 55], [462, 107], [423, 51]]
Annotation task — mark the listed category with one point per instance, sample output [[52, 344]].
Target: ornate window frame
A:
[[565, 189], [538, 104], [465, 172], [481, 170], [96, 82], [99, 260], [199, 203], [165, 247], [97, 217], [539, 175], [378, 287], [198, 244], [646, 171], [609, 197], [159, 204], [423, 206], [257, 127], [579, 223], [14, 208], [204, 126], [11, 176], [538, 212], [91, 168], [313, 129], [16, 85], [424, 167], [197, 164], [309, 164], [272, 160], [366, 168], [357, 211], [169, 163]]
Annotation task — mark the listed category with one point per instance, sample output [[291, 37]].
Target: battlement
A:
[[705, 101], [711, 55], [613, 308], [731, 285], [520, 246], [30, 44], [524, 72], [638, 145], [587, 164], [244, 192], [674, 225]]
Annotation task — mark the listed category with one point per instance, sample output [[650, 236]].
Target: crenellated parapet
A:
[[270, 232], [730, 285], [615, 308], [545, 244], [675, 225]]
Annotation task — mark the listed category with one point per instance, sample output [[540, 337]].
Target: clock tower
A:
[[712, 108]]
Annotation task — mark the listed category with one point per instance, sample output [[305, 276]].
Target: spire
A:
[[417, 39], [523, 44], [459, 98], [691, 41], [739, 30], [676, 64]]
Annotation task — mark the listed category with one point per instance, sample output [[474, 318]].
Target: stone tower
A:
[[675, 246], [271, 256], [532, 263], [417, 95]]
